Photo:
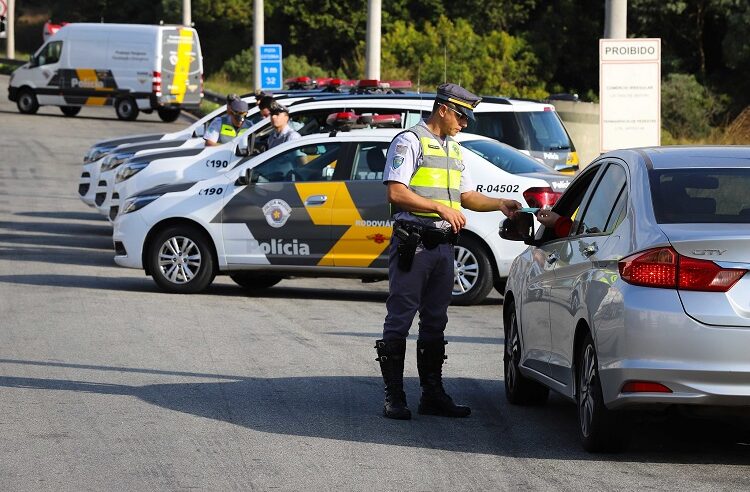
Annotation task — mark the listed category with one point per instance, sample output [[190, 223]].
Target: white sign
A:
[[630, 93]]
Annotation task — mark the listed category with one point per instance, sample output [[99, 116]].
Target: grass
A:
[[219, 83], [7, 68]]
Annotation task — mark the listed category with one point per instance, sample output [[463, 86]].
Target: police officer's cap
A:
[[461, 100], [277, 108], [238, 106]]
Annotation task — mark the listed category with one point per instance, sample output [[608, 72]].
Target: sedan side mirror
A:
[[200, 130], [519, 228]]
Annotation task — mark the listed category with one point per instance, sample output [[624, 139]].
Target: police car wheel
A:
[[168, 115], [181, 261], [472, 272], [126, 109], [254, 281], [70, 110], [27, 102]]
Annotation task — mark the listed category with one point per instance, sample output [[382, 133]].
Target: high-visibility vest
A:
[[439, 176], [228, 132]]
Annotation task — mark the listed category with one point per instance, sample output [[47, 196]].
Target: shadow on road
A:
[[347, 408], [450, 338]]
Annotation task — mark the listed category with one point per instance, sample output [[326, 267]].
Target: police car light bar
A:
[[399, 84], [382, 120], [342, 119]]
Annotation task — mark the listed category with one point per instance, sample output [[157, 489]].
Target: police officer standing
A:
[[222, 129], [426, 186]]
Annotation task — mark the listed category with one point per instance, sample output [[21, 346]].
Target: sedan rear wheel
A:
[[519, 390], [600, 428], [181, 261]]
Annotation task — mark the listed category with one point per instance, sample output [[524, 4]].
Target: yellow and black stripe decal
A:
[[363, 239]]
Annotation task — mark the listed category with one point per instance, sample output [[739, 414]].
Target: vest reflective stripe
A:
[[439, 175], [228, 131]]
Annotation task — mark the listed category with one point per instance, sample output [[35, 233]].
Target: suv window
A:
[[544, 130], [369, 161], [610, 191], [529, 130], [308, 163]]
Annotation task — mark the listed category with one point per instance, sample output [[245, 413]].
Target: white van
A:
[[132, 67]]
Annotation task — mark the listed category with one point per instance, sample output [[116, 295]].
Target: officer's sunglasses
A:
[[459, 115], [239, 116]]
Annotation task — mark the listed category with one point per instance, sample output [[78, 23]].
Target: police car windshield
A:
[[506, 158], [537, 131]]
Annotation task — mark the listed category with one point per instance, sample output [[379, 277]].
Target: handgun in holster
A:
[[407, 247]]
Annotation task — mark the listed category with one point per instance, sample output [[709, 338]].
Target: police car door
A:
[[361, 217], [284, 217]]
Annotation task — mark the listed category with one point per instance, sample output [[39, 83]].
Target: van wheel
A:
[[27, 103], [126, 108], [519, 390], [181, 261], [472, 272], [601, 429], [168, 115], [255, 281], [70, 110]]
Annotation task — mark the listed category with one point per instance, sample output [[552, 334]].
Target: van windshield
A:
[[531, 130]]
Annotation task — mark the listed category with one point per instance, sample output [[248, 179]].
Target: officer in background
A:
[[282, 132], [427, 185], [222, 129]]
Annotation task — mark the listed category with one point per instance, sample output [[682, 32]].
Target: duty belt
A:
[[431, 237]]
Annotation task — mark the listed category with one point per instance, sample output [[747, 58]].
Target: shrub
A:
[[688, 109]]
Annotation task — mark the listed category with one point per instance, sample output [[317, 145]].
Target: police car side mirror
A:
[[519, 228], [247, 178], [33, 62], [200, 130]]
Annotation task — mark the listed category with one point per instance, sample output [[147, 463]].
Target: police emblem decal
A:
[[277, 212], [397, 161]]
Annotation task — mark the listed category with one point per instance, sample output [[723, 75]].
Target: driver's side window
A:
[[50, 54], [316, 162]]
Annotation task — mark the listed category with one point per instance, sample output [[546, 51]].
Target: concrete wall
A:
[[581, 119]]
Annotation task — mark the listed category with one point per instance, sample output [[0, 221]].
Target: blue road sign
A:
[[271, 77]]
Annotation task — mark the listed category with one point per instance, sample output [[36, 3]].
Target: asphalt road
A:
[[108, 384]]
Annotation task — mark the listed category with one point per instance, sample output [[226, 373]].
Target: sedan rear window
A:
[[705, 195]]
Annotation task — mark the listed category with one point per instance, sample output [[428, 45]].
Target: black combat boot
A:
[[434, 400], [391, 357]]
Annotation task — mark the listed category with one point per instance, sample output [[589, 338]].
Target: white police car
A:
[[531, 127], [313, 207]]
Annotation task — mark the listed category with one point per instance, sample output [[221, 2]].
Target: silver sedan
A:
[[642, 299]]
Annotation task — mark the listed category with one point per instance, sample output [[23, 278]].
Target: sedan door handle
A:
[[590, 250], [316, 200], [552, 257]]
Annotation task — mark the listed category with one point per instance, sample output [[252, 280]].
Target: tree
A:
[[494, 64]]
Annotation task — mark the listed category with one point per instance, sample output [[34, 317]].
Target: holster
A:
[[407, 246]]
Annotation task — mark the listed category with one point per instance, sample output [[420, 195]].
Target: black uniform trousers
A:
[[426, 288]]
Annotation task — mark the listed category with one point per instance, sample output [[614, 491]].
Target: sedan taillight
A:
[[665, 268]]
